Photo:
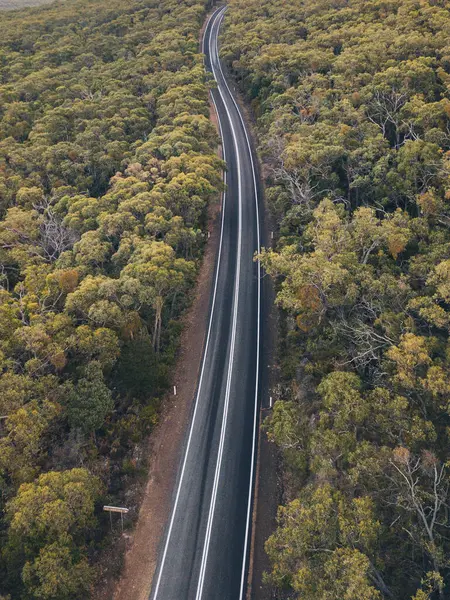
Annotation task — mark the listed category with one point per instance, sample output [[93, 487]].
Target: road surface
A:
[[204, 555]]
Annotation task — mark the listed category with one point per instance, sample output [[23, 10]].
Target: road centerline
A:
[[207, 345], [233, 334], [258, 338]]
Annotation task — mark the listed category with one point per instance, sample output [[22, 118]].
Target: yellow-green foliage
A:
[[352, 99], [107, 166]]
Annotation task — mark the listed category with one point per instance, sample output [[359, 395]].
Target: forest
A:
[[107, 165], [351, 100]]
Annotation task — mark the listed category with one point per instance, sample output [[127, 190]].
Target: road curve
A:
[[204, 554]]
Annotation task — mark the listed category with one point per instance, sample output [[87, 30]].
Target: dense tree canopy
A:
[[352, 101], [107, 165]]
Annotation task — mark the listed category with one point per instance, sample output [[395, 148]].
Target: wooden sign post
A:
[[117, 509]]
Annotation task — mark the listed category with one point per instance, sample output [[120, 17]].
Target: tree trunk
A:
[[158, 306]]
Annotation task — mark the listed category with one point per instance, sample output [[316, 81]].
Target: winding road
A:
[[205, 551]]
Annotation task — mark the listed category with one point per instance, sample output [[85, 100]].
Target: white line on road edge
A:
[[249, 507], [213, 305], [212, 505]]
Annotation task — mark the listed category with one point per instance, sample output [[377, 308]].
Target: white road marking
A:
[[258, 339], [212, 505], [183, 468], [219, 16]]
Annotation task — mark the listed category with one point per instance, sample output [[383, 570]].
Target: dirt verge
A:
[[267, 494], [167, 439]]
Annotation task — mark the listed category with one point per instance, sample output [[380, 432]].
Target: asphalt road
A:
[[204, 555]]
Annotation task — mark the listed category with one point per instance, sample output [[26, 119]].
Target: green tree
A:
[[321, 543], [89, 402], [48, 521], [56, 575], [353, 136]]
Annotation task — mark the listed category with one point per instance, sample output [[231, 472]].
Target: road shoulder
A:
[[166, 441]]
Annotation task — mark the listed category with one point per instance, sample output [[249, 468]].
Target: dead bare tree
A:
[[55, 237], [421, 487], [304, 183], [367, 343], [384, 110]]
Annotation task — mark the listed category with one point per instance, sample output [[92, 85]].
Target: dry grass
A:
[[12, 4]]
